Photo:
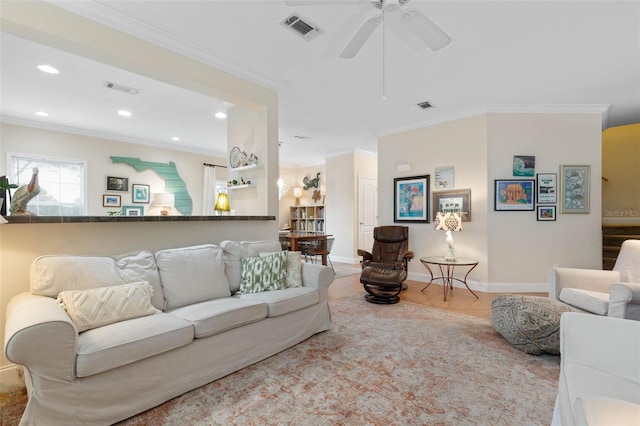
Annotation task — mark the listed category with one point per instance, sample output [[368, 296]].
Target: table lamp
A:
[[297, 193], [449, 221], [164, 200], [222, 203]]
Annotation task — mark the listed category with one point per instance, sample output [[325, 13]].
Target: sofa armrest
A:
[[620, 296], [317, 276], [599, 358], [598, 410], [585, 279], [40, 336]]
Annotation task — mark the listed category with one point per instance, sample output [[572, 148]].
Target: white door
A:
[[367, 211]]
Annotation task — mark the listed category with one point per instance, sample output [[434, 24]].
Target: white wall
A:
[[515, 251]]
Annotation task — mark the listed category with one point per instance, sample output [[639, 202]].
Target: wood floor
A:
[[460, 300]]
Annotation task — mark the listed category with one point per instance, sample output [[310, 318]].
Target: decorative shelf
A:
[[250, 166], [247, 185]]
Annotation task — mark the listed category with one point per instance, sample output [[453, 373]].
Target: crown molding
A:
[[603, 109], [103, 14], [106, 135]]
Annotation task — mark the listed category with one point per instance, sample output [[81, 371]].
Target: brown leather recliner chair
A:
[[390, 248], [385, 267]]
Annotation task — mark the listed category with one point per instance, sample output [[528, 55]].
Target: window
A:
[[62, 183]]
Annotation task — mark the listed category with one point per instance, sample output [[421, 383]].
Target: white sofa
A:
[[599, 371], [202, 329]]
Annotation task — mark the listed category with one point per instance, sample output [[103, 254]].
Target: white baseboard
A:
[[348, 260], [487, 287], [9, 378]]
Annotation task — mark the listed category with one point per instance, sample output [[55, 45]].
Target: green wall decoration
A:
[[167, 171]]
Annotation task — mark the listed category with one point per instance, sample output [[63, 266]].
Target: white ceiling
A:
[[539, 54]]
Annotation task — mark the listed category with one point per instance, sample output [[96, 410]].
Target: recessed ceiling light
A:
[[124, 113], [220, 115], [48, 69], [42, 114], [175, 138]]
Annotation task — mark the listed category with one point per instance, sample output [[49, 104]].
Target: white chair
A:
[[613, 293], [599, 380]]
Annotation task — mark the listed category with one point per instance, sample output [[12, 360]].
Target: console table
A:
[[446, 271]]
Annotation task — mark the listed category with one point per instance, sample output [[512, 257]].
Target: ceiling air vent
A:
[[425, 105], [121, 88], [303, 28]]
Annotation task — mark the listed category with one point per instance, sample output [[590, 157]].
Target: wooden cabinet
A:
[[307, 218]]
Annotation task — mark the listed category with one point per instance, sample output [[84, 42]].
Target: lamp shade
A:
[[222, 203], [297, 192], [164, 199], [448, 221]]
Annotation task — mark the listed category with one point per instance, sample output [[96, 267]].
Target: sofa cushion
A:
[[219, 315], [49, 275], [234, 251], [192, 274], [280, 302], [294, 268], [104, 348], [96, 307], [264, 273], [595, 302]]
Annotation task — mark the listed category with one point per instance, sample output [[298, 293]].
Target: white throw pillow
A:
[[294, 268], [96, 307], [192, 274]]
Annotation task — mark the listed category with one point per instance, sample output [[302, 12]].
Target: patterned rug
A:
[[399, 364]]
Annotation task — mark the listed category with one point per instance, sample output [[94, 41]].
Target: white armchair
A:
[[599, 380], [614, 293]]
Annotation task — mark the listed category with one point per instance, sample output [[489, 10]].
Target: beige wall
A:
[[52, 26], [515, 251], [97, 152], [621, 168], [435, 146]]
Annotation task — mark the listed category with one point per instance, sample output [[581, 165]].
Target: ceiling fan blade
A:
[[361, 36], [344, 33], [425, 29], [393, 20]]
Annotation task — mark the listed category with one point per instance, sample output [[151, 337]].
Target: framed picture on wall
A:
[[411, 199], [456, 200], [133, 211], [514, 194], [111, 200], [546, 213], [546, 188], [117, 184], [574, 189], [140, 193]]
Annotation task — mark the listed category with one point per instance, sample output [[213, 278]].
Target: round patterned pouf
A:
[[529, 323]]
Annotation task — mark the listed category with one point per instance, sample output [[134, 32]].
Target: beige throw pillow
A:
[[294, 268], [96, 307]]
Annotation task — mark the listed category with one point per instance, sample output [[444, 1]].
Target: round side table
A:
[[446, 271]]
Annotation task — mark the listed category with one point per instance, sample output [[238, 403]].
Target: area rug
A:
[[399, 364]]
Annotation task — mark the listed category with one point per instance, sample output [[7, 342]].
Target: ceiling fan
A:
[[410, 24]]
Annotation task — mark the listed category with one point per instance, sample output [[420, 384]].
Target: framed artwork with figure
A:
[[411, 199]]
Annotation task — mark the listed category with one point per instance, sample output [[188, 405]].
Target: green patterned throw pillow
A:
[[264, 273]]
